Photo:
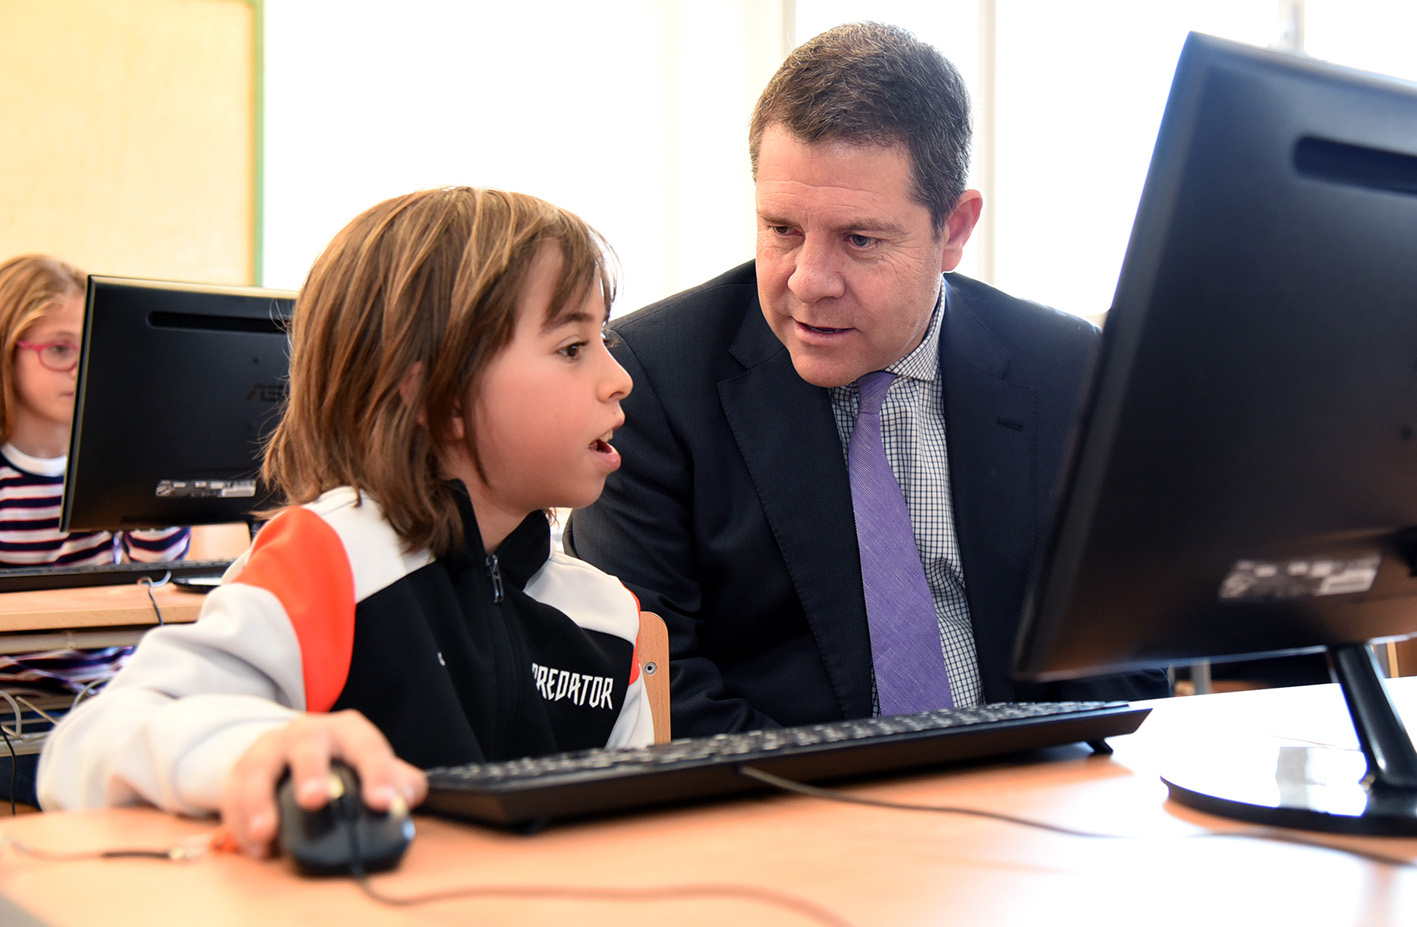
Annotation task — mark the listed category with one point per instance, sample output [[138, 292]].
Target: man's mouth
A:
[[822, 329]]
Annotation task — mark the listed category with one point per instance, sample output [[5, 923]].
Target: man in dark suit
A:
[[732, 514]]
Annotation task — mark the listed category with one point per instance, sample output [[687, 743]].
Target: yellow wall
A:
[[127, 135]]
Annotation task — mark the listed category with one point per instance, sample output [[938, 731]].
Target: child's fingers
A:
[[305, 748], [384, 778], [248, 804]]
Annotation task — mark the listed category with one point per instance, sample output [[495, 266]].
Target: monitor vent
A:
[[1356, 165], [225, 323]]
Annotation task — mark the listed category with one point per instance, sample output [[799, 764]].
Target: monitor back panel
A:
[[178, 386]]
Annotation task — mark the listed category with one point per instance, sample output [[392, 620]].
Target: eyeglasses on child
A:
[[59, 356]]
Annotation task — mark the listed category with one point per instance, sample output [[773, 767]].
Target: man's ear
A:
[[959, 225]]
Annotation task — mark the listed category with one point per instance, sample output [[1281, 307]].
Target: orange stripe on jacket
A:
[[299, 559]]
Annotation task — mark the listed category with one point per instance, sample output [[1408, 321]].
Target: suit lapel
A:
[[785, 431], [991, 434], [787, 436]]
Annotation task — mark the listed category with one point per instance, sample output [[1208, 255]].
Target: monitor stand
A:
[[1321, 788]]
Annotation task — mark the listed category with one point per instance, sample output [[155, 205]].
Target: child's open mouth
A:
[[606, 451]]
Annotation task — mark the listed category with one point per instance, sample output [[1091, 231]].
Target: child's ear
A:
[[456, 429], [409, 388]]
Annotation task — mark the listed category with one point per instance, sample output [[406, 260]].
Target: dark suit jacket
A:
[[731, 515]]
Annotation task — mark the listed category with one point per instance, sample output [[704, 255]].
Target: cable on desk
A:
[[765, 896], [662, 893], [813, 791], [178, 852], [147, 583], [90, 688], [14, 762], [1273, 835], [220, 840], [17, 732], [19, 706]]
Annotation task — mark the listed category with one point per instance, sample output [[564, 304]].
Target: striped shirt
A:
[[913, 429], [31, 492]]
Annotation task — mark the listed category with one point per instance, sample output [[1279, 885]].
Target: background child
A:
[[42, 324], [448, 383]]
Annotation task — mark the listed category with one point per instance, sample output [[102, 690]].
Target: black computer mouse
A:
[[344, 837]]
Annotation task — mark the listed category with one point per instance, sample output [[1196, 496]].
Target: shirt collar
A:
[[923, 363], [39, 466], [520, 554]]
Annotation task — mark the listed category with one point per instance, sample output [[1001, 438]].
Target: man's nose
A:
[[817, 272]]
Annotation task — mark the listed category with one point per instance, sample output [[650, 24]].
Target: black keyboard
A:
[[25, 579], [529, 792]]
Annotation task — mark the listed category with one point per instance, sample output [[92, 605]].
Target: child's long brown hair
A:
[[426, 282]]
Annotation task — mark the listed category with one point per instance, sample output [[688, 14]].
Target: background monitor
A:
[[178, 386], [1244, 480]]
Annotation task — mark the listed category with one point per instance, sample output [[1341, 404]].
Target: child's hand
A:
[[306, 746]]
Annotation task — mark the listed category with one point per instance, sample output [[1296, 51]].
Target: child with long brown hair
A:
[[449, 384]]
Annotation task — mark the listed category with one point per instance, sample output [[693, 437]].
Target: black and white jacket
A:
[[458, 659]]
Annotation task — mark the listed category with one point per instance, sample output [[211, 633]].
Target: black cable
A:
[[189, 852], [14, 764], [174, 853], [1253, 833], [801, 788], [361, 877], [147, 583], [660, 893]]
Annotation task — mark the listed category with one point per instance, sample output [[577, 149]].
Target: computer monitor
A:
[[1244, 477], [178, 386]]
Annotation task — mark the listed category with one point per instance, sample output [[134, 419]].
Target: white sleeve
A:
[[170, 725], [635, 726]]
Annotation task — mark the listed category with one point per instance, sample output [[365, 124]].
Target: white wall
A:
[[1078, 88], [632, 113]]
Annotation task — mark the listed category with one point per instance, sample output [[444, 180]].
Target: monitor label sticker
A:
[[206, 489], [1249, 580]]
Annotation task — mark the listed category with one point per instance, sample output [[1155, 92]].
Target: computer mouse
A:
[[344, 837]]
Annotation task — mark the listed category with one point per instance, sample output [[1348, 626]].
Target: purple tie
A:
[[905, 634]]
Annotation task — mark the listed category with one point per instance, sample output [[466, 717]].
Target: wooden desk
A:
[[63, 619], [868, 866], [51, 618]]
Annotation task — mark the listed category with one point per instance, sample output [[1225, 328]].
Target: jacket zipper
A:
[[494, 571]]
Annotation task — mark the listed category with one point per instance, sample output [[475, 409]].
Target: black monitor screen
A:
[[178, 386], [1244, 479]]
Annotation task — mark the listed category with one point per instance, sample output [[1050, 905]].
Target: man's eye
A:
[[861, 241]]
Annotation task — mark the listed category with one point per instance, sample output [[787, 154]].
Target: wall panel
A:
[[129, 135]]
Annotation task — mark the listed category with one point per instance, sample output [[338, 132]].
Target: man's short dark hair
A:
[[868, 83]]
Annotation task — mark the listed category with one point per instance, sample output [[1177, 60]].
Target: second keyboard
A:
[[26, 579]]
